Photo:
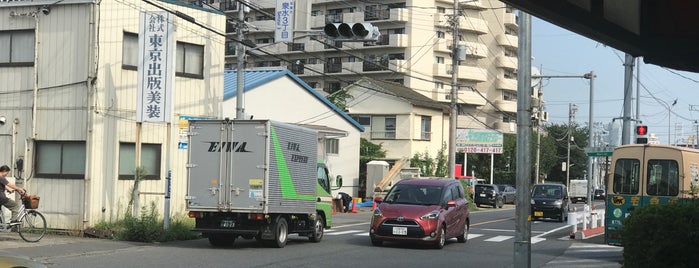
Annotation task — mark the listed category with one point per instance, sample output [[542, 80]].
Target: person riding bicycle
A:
[[4, 200]]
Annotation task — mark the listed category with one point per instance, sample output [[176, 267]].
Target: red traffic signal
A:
[[641, 130]]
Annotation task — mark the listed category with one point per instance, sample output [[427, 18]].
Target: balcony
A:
[[394, 14], [475, 25], [510, 19], [398, 66], [465, 72], [506, 127], [503, 61], [507, 105], [352, 17], [471, 4], [318, 21], [464, 95], [477, 50], [261, 26], [443, 45], [312, 69], [507, 40], [391, 40], [506, 84]]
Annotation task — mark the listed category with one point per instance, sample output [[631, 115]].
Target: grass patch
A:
[[147, 228]]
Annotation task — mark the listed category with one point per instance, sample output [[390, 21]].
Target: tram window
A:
[[663, 178], [626, 176]]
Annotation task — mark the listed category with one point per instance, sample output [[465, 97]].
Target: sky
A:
[[557, 51]]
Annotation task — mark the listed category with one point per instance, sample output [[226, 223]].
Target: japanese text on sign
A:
[[155, 67], [284, 21], [479, 141]]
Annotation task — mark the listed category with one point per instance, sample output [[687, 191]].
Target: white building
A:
[[69, 76], [282, 96], [414, 49]]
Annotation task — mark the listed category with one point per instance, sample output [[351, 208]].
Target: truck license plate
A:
[[227, 223], [538, 213], [400, 230]]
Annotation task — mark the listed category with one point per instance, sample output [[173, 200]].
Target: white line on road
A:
[[554, 230], [499, 238], [350, 225], [343, 232], [472, 236]]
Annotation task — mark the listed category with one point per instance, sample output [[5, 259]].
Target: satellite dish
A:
[[537, 80]]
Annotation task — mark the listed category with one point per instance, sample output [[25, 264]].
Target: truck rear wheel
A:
[[281, 232], [221, 240], [318, 228]]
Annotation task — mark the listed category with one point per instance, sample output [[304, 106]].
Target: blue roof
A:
[[255, 78]]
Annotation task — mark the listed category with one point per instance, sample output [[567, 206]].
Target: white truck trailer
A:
[[256, 179], [578, 191]]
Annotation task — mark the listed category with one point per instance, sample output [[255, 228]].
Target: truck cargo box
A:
[[251, 166]]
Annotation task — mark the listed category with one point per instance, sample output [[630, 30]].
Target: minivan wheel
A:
[[442, 238], [464, 237]]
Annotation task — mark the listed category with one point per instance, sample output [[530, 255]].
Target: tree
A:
[[340, 98], [558, 135]]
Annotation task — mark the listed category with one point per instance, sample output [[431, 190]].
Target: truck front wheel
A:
[[281, 232], [318, 229]]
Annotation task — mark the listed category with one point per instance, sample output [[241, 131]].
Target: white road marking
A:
[[472, 236], [499, 238], [343, 232]]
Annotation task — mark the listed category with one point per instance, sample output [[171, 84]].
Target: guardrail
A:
[[589, 219]]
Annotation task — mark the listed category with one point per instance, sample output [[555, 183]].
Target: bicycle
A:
[[30, 224]]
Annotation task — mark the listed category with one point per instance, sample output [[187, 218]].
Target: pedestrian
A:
[[346, 199], [4, 200]]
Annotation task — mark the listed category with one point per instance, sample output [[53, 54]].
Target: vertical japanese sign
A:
[[284, 21], [155, 67]]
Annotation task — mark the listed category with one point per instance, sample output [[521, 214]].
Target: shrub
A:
[[662, 236]]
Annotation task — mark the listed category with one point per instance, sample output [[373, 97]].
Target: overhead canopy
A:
[[663, 32]]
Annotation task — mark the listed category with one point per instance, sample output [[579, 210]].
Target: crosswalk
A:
[[472, 236]]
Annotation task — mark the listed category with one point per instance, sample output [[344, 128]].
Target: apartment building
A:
[[414, 49]]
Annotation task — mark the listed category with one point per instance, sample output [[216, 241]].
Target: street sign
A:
[[599, 151]]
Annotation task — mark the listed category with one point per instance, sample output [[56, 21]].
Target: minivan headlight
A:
[[558, 203], [377, 213], [531, 201], [430, 216]]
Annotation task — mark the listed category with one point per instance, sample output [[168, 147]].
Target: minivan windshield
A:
[[547, 191], [414, 194]]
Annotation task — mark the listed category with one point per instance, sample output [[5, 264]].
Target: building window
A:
[[425, 127], [383, 127], [440, 60], [60, 159], [296, 47], [439, 85], [150, 160], [129, 54], [441, 35], [509, 96], [17, 48], [332, 146], [441, 10], [332, 87], [363, 120], [190, 60], [263, 41]]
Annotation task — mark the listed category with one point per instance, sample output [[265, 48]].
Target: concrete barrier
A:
[[592, 222]]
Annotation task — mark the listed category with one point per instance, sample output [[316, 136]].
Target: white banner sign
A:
[[479, 141], [284, 21], [155, 67]]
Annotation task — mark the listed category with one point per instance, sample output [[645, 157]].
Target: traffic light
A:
[[357, 32], [641, 132]]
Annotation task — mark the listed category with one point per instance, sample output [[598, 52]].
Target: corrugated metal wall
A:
[[65, 99]]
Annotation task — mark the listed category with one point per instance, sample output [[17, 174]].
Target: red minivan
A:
[[425, 210]]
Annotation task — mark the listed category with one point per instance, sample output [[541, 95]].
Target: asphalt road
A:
[[490, 244]]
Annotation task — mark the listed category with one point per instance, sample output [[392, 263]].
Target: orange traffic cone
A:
[[354, 205]]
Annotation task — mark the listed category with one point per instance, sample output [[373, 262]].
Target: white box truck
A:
[[256, 179], [578, 191]]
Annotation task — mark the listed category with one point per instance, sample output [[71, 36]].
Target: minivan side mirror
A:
[[378, 199], [338, 181]]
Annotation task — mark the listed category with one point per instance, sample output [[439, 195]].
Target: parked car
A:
[[488, 194], [600, 194], [509, 193], [423, 210], [550, 201]]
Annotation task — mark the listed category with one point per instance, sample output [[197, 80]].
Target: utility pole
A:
[[628, 94], [240, 102], [522, 243], [590, 138], [539, 119], [572, 108], [453, 114]]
